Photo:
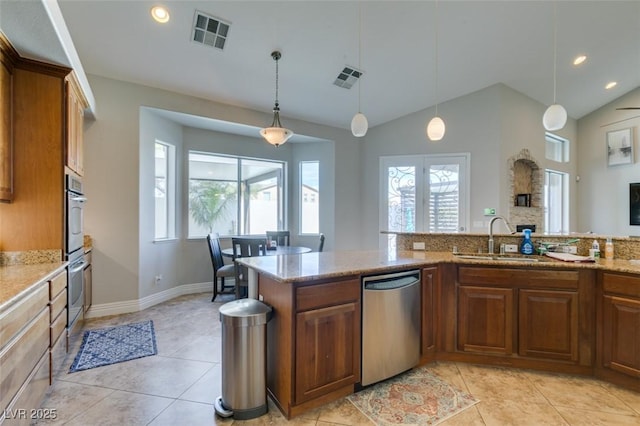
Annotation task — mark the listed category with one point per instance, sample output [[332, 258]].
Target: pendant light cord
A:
[[436, 58], [555, 48], [359, 52], [277, 60]]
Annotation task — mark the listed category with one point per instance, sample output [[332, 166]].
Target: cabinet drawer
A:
[[21, 355], [57, 284], [518, 277], [58, 304], [627, 285], [58, 326], [22, 313], [331, 293]]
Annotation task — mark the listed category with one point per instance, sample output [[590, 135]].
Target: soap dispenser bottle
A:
[[608, 249], [527, 246]]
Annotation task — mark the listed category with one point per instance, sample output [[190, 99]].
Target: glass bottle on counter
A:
[[608, 249]]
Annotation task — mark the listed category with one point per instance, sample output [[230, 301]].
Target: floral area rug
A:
[[111, 345], [414, 398]]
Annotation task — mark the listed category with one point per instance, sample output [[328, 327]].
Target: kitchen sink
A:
[[509, 257]]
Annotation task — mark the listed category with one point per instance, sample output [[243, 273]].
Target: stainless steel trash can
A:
[[244, 350]]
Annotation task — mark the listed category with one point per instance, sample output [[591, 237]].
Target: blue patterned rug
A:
[[115, 344]]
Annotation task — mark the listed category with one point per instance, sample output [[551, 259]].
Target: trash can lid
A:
[[244, 312]]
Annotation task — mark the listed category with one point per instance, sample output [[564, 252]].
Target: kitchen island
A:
[[547, 315]]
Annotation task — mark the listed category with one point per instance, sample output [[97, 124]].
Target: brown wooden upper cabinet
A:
[[6, 120], [76, 104]]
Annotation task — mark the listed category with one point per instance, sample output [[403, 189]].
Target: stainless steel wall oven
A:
[[74, 243]]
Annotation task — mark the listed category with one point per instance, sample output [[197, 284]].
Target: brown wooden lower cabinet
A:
[[619, 329], [548, 324], [622, 335], [485, 319], [313, 341], [522, 317], [326, 358]]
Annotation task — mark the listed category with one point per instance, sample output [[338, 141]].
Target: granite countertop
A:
[[313, 266], [17, 281]]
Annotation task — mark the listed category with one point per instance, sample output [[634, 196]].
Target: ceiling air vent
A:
[[348, 77], [209, 30]]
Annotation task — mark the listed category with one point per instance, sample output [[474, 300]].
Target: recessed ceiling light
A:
[[611, 85], [160, 14], [579, 59]]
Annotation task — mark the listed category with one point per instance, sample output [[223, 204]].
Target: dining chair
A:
[[220, 270], [280, 237], [245, 247], [321, 243]]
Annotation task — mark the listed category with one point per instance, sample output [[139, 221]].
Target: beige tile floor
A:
[[179, 385]]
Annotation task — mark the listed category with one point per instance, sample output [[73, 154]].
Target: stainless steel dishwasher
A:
[[390, 325]]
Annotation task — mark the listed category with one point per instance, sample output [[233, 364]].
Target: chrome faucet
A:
[[491, 230]]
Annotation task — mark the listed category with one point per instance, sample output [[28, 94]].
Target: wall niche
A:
[[525, 189]]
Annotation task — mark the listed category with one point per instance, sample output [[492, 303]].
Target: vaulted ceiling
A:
[[480, 43]]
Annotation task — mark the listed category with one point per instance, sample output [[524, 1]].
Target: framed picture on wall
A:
[[634, 203], [620, 147]]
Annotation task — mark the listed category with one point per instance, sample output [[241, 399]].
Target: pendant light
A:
[[555, 117], [359, 123], [276, 135], [436, 127]]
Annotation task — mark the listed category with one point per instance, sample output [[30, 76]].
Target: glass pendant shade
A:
[[436, 129], [359, 125], [555, 117], [276, 136]]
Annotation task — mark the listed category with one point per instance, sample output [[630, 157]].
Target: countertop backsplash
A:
[[29, 257], [625, 248]]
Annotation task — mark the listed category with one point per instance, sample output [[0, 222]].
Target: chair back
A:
[[246, 247], [280, 237], [215, 251], [321, 243]]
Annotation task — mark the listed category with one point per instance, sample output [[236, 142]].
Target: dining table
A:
[[279, 250]]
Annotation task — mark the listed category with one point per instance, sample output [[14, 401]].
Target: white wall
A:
[[120, 221], [492, 124], [162, 258], [603, 192]]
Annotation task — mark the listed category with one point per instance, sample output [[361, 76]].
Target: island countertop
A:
[[314, 266]]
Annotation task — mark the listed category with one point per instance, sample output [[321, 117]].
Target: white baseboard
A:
[[127, 306]]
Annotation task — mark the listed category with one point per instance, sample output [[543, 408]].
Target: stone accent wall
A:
[[526, 175]]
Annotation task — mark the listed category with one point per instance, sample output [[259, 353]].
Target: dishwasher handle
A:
[[391, 281]]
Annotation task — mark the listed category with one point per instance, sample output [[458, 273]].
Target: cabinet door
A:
[[327, 350], [6, 134], [75, 123], [548, 324], [429, 277], [485, 320], [621, 335]]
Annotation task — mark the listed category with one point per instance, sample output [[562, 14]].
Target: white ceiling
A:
[[480, 43]]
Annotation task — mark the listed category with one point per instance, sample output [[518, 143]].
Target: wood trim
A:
[[11, 55], [42, 67]]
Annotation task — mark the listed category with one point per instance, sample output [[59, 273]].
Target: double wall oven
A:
[[74, 246]]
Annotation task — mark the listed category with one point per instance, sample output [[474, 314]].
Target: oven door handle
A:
[[74, 269], [79, 199]]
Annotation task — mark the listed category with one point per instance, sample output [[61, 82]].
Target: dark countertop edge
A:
[[621, 266], [26, 291]]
